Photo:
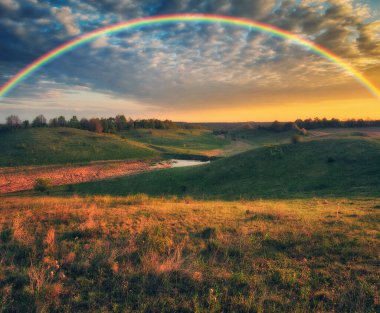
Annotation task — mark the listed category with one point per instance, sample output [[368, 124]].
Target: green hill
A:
[[317, 168], [37, 146], [184, 141]]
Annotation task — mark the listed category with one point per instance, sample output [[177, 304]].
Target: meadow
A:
[[140, 254], [323, 168], [178, 141], [287, 226], [44, 146]]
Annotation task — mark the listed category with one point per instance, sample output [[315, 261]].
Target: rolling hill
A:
[[180, 141], [42, 146], [339, 167]]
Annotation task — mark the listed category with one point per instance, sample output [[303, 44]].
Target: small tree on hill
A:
[[39, 121], [95, 125], [53, 122], [84, 124], [74, 122], [13, 121], [121, 122], [61, 121]]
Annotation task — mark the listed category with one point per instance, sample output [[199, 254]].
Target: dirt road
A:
[[23, 178]]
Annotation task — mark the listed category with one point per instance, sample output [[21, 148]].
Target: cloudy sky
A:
[[191, 72]]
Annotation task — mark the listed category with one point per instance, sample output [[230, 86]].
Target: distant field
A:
[[331, 133], [343, 167], [259, 138], [137, 254], [195, 141]]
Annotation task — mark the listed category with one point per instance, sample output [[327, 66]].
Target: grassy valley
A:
[[178, 141], [42, 146], [340, 167], [272, 225]]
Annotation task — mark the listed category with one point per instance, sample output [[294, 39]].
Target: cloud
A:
[[100, 42], [183, 65], [9, 4], [64, 15]]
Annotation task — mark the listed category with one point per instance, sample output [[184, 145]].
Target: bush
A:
[[296, 138], [42, 185]]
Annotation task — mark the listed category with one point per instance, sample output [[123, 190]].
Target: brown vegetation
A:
[[24, 178], [137, 254]]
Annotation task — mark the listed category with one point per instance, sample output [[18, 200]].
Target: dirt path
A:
[[23, 178]]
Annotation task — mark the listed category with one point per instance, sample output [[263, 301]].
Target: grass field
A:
[[300, 231], [40, 146], [258, 137], [340, 167], [194, 141], [135, 254]]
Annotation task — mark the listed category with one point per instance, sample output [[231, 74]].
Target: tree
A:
[[95, 125], [108, 125], [130, 123], [61, 121], [276, 126], [121, 122], [74, 122], [13, 121], [53, 122], [25, 124], [84, 124], [39, 121]]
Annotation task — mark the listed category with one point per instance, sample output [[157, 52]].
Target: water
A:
[[186, 163]]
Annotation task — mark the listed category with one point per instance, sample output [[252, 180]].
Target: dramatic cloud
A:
[[187, 65]]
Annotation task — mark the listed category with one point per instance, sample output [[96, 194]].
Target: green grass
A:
[[307, 169], [136, 254], [195, 141], [40, 146], [259, 137]]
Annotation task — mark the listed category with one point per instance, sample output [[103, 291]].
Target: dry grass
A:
[[137, 254]]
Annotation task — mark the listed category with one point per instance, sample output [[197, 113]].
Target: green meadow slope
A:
[[40, 146], [182, 141], [317, 168]]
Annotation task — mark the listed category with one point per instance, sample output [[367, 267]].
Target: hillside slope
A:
[[316, 168], [183, 141], [38, 146]]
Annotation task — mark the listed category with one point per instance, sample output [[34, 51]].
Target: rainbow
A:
[[185, 18]]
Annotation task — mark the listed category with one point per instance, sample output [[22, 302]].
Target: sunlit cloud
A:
[[186, 66]]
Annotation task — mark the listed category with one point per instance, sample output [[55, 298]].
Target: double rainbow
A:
[[187, 18]]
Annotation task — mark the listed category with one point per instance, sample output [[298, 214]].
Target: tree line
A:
[[98, 125], [318, 123]]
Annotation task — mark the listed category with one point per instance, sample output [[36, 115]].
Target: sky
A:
[[191, 72]]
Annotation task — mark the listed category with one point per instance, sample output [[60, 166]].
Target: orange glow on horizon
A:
[[343, 110]]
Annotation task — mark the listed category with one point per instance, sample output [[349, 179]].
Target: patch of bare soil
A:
[[23, 178]]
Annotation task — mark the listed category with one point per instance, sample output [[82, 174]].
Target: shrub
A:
[[296, 138], [42, 185], [208, 233]]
